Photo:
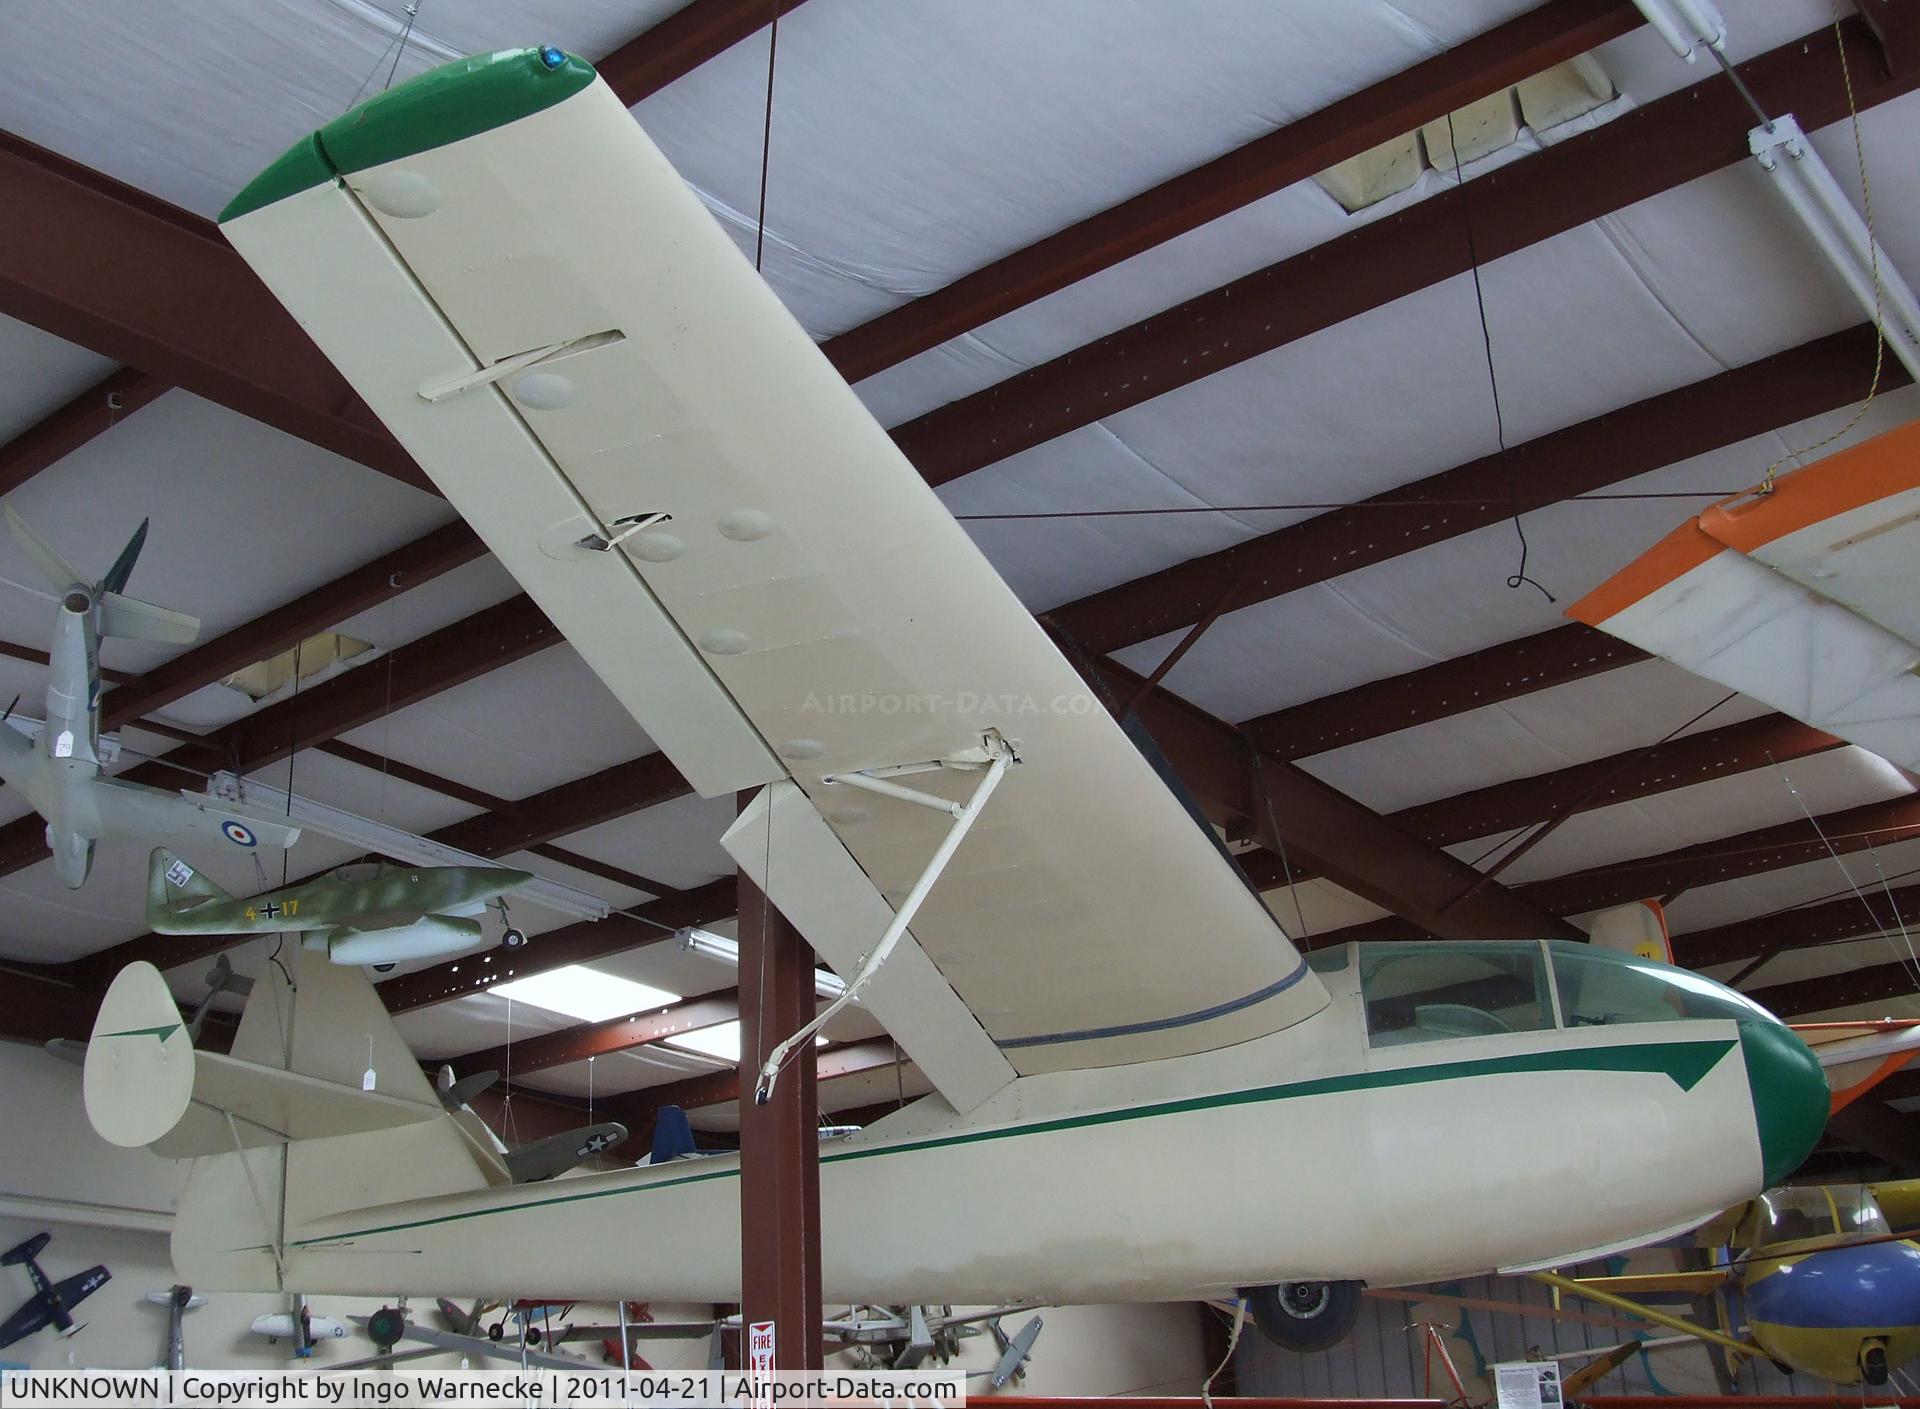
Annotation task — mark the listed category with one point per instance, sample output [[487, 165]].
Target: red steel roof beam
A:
[[1655, 148]]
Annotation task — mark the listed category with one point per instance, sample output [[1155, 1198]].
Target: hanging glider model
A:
[[377, 915], [1803, 594], [59, 772], [502, 264]]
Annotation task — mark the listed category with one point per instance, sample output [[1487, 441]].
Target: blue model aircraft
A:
[[51, 1301]]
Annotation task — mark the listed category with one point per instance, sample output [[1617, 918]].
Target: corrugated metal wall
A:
[[1385, 1355]]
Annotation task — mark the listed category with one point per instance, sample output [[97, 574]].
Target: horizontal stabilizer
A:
[[134, 620], [58, 572], [143, 1076]]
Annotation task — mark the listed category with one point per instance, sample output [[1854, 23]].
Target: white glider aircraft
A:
[[512, 276]]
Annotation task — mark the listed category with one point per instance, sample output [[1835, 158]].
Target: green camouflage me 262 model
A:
[[378, 914]]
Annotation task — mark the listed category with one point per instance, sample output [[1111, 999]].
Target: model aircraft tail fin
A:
[[357, 1123], [174, 888], [134, 620], [58, 572], [27, 1251], [122, 569], [1639, 928], [144, 1080]]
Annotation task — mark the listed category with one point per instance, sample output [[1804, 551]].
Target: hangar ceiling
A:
[[1221, 434]]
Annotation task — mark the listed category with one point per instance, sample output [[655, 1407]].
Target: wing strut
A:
[[995, 753]]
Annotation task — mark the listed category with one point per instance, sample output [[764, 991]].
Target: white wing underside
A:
[[809, 609], [1806, 598]]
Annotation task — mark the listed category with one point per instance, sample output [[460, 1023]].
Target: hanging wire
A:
[[398, 42], [293, 746], [1912, 962], [766, 137], [1519, 575], [1594, 791], [1279, 840], [406, 33], [1598, 497], [1873, 249], [506, 1079]]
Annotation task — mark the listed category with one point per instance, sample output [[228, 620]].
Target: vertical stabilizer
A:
[[327, 1021], [1639, 928], [175, 888], [122, 569]]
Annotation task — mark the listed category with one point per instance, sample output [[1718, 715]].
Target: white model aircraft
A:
[[59, 771], [511, 275]]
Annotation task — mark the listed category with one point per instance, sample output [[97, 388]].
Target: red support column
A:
[[779, 1142]]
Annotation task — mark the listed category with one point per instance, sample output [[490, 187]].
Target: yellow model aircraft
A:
[[1819, 1276]]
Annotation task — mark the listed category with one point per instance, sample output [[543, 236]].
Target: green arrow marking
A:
[[160, 1033]]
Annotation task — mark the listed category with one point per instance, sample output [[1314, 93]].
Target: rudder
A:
[[174, 888]]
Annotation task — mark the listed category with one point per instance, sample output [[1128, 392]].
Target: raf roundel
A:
[[239, 834]]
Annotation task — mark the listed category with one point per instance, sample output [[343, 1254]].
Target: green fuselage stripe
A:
[[1684, 1062]]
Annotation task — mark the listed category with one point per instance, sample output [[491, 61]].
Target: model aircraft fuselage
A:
[[376, 914], [1390, 1140], [1827, 1288], [1816, 1276], [59, 772]]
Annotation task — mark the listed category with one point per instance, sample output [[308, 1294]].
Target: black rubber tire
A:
[[496, 1331], [513, 938], [382, 968], [385, 1327], [1873, 1366], [1305, 1316]]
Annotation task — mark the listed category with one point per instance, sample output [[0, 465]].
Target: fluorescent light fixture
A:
[[1804, 183], [586, 995], [721, 1041], [273, 804], [727, 951], [1686, 25]]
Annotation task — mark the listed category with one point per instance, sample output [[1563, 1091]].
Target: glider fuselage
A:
[[1309, 1154]]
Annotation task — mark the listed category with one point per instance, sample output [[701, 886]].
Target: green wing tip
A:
[[443, 105], [301, 167]]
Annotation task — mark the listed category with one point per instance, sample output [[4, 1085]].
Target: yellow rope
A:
[[1873, 248]]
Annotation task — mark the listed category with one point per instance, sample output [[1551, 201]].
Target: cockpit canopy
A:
[[1433, 990], [1791, 1214]]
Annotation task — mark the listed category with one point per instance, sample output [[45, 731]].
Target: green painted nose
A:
[[1790, 1095]]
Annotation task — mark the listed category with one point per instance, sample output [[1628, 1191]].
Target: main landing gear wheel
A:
[[513, 938], [382, 968], [1305, 1316]]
